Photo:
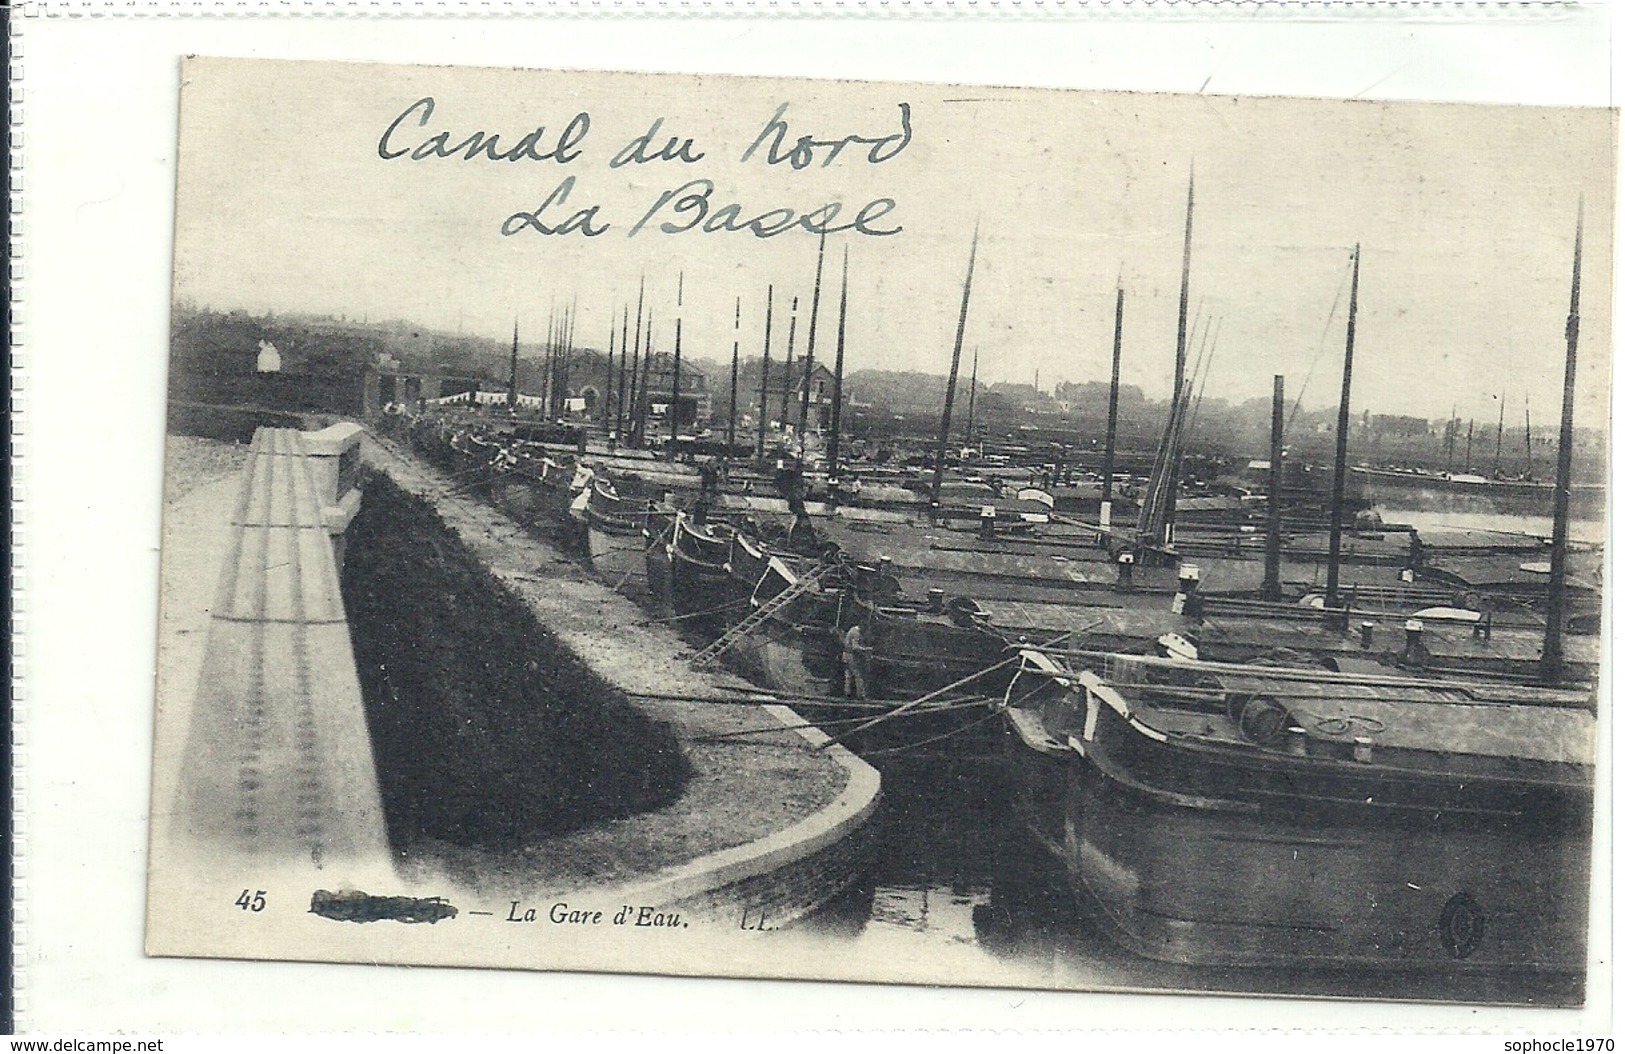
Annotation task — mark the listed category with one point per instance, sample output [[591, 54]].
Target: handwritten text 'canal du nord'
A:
[[694, 205]]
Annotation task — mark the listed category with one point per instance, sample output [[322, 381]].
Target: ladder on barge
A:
[[750, 623]]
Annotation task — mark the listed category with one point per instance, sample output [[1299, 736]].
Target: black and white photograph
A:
[[902, 532]]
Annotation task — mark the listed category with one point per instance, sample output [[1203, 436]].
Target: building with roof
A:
[[693, 402], [785, 382]]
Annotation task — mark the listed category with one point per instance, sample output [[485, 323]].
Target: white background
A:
[[97, 154]]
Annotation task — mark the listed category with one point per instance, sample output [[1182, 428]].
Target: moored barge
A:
[[1246, 816]]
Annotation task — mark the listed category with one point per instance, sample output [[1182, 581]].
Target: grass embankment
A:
[[231, 424], [487, 730]]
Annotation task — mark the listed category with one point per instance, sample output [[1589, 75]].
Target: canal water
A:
[[954, 881], [1581, 532]]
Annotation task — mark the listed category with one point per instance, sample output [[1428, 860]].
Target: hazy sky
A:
[[1465, 215]]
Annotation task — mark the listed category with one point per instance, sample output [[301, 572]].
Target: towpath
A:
[[772, 789]]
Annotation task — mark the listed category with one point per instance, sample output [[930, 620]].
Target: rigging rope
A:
[[1320, 350]]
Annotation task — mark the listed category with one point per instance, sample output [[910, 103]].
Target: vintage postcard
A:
[[892, 532]]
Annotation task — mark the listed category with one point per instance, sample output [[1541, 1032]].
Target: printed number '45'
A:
[[252, 903]]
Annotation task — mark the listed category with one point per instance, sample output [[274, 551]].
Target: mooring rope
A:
[[766, 699], [696, 614], [906, 707], [471, 487], [623, 548], [939, 709], [966, 727]]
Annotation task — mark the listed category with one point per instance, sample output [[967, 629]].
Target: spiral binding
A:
[[13, 883], [1477, 11]]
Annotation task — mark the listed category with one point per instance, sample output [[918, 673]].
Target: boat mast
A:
[[564, 358], [840, 373], [561, 365], [1340, 467], [642, 423], [1551, 654], [767, 368], [1500, 425], [547, 363], [609, 368], [569, 352], [1157, 488], [558, 359], [637, 354], [1109, 467], [569, 356], [970, 412], [1467, 466], [620, 389], [556, 403], [1272, 528], [953, 379], [733, 384], [1528, 442], [807, 367], [789, 365], [676, 367], [1450, 442], [1179, 357], [513, 368]]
